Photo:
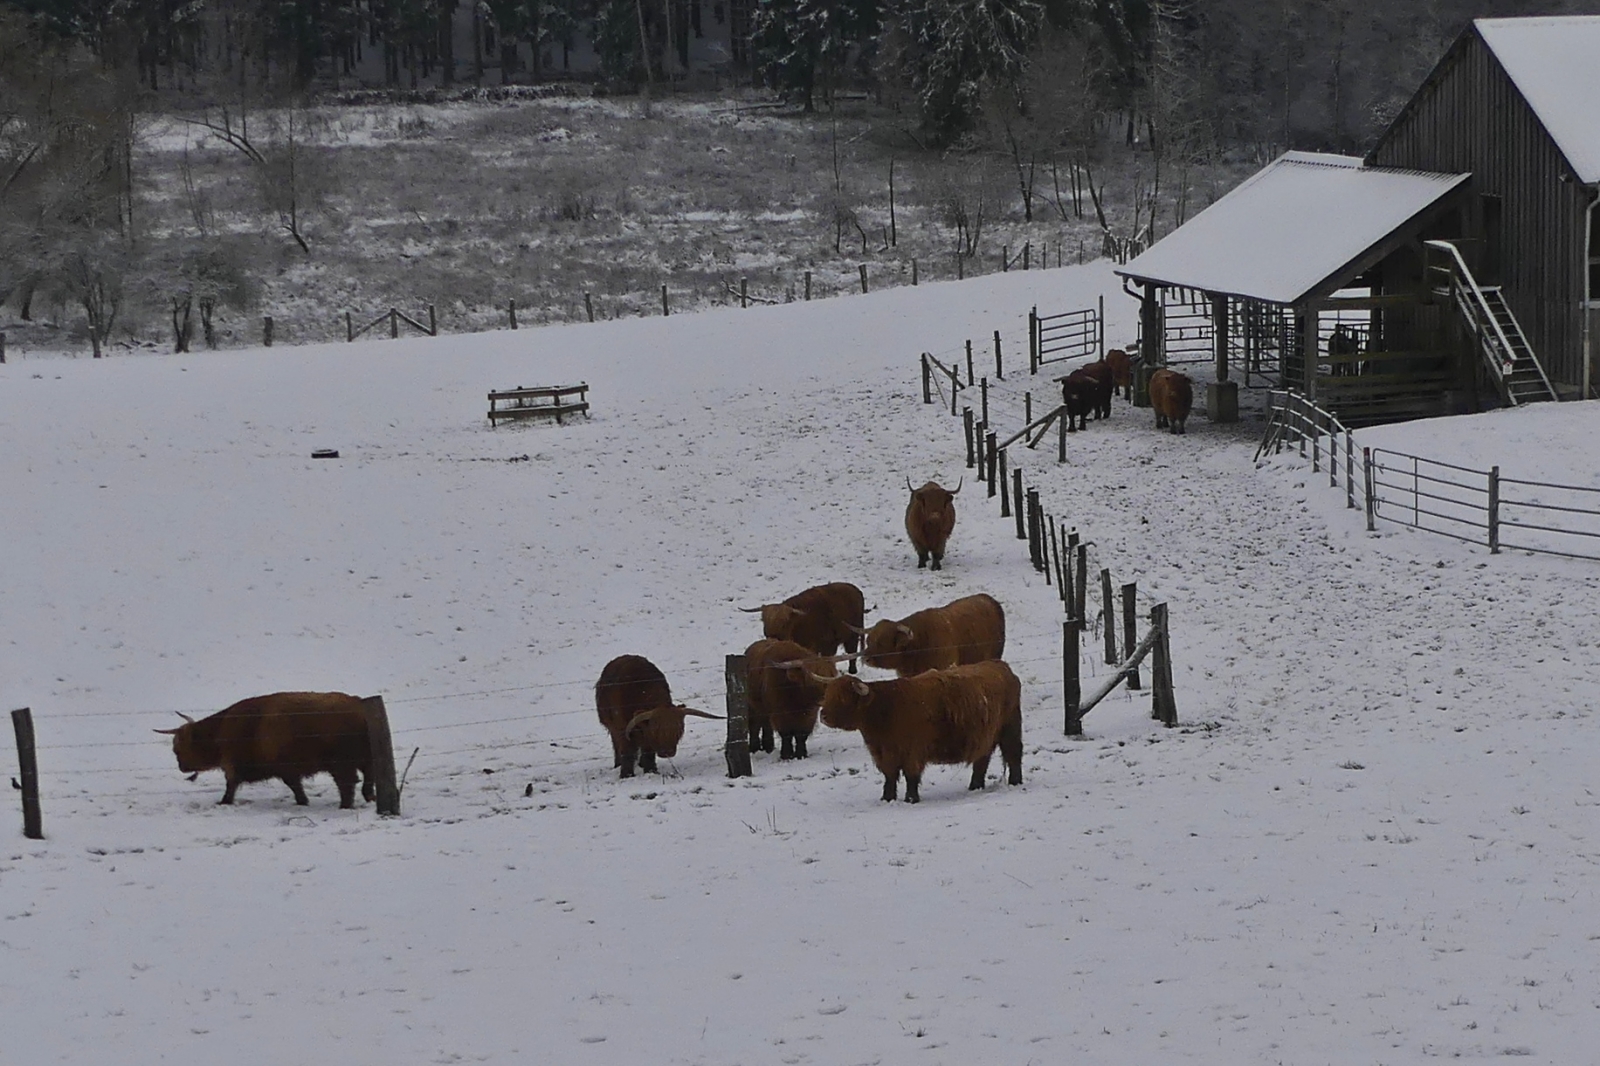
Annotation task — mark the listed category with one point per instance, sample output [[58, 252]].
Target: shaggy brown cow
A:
[[969, 630], [930, 516], [287, 735], [786, 682], [635, 705], [1121, 365], [943, 716], [1172, 397], [822, 618]]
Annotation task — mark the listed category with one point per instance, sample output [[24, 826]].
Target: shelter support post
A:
[[1222, 395]]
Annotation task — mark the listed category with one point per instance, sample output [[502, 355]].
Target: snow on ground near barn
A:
[[1372, 839]]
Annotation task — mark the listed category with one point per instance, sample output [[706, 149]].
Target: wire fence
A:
[[1464, 503]]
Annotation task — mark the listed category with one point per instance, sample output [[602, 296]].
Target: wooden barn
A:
[[1449, 270]]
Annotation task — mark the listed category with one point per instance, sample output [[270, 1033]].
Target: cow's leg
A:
[[851, 644], [647, 762], [912, 781], [800, 745], [625, 762], [1011, 750], [233, 786], [346, 780], [766, 737], [891, 785], [787, 748], [938, 561], [369, 790], [922, 559], [980, 772], [298, 790]]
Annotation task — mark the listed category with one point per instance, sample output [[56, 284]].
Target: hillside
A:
[[1371, 838]]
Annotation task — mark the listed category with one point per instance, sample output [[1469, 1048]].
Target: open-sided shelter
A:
[[1454, 266]]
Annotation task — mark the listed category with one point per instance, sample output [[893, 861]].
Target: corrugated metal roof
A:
[[1290, 227], [1555, 64]]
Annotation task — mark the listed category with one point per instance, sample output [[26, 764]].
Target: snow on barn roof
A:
[[1290, 227], [1552, 62]]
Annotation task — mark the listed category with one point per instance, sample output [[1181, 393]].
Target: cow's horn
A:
[[860, 686], [167, 732], [753, 610], [958, 485], [637, 720], [185, 717], [909, 488], [906, 630], [857, 630], [820, 679], [698, 714]]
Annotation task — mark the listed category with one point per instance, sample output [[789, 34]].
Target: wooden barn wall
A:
[[1474, 119]]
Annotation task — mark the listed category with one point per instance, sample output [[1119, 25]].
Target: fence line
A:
[[1461, 502]]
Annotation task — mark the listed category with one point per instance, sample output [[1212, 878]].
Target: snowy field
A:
[[1372, 838]]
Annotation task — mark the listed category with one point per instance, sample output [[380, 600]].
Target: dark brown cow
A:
[[1172, 397], [969, 630], [943, 716], [822, 618], [1121, 364], [1087, 389], [930, 516], [287, 735], [785, 688], [635, 705]]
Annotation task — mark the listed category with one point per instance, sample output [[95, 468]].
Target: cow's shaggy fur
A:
[[969, 630], [785, 690], [958, 715]]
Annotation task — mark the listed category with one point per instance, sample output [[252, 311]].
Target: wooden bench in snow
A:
[[553, 400]]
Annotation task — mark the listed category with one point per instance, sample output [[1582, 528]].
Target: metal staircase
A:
[[1505, 350]]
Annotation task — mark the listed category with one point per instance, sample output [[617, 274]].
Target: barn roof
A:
[[1292, 228], [1553, 63]]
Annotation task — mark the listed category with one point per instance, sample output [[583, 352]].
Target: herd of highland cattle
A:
[[953, 699]]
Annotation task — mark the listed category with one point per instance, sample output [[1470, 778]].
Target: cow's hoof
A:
[[937, 565], [921, 563]]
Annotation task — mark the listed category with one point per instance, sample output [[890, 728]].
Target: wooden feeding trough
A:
[[540, 401]]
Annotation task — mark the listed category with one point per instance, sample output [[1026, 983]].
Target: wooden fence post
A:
[[913, 271], [1033, 340], [999, 368], [991, 445], [1027, 408], [382, 745], [1055, 560], [665, 310], [266, 331], [1072, 551], [927, 380], [744, 292], [969, 362], [1033, 529], [983, 398], [1130, 626], [349, 327], [1349, 470], [588, 305], [961, 268], [1016, 489], [1080, 584], [1494, 510], [1072, 687], [1372, 504], [22, 724], [1163, 706], [966, 425], [2, 347], [1108, 617], [1027, 254], [394, 324], [1061, 434], [511, 309], [863, 268], [955, 383], [808, 285], [737, 749], [1005, 258], [1005, 493]]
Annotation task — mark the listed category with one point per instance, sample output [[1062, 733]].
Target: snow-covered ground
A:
[[1372, 839]]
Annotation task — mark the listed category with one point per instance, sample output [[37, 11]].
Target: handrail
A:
[[1460, 274]]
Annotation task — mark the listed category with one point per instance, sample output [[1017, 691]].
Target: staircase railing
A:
[[1470, 301]]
